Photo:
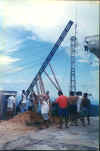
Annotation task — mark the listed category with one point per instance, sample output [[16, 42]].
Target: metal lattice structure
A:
[[49, 57], [73, 71]]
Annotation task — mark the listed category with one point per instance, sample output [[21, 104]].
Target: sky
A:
[[29, 30]]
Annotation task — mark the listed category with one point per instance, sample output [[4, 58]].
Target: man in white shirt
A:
[[24, 101], [79, 101], [11, 106], [45, 109], [79, 94]]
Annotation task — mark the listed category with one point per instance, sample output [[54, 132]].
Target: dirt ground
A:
[[22, 132]]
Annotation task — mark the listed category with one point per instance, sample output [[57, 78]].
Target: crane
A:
[[49, 57]]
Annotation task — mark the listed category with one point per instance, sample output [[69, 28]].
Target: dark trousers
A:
[[30, 108], [9, 114], [72, 112], [85, 113], [63, 113]]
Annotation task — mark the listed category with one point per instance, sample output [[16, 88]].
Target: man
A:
[[14, 105], [54, 112], [36, 102], [45, 109], [85, 109], [23, 101], [47, 97], [18, 108], [62, 102], [30, 102], [11, 106], [72, 108], [79, 100], [86, 46]]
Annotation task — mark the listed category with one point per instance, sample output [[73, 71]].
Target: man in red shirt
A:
[[62, 102]]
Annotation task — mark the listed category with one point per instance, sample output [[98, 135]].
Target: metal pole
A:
[[37, 87], [54, 76], [51, 80], [41, 85]]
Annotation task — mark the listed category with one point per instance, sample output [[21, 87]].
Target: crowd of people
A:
[[72, 108]]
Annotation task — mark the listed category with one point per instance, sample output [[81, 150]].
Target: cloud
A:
[[11, 50], [17, 69], [8, 70], [48, 18], [12, 84], [8, 44], [11, 81], [5, 60], [13, 70], [7, 66], [15, 46], [37, 14]]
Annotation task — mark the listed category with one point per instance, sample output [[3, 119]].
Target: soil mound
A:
[[30, 117], [19, 122], [26, 117], [24, 121]]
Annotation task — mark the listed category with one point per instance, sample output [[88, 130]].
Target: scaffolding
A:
[[73, 71]]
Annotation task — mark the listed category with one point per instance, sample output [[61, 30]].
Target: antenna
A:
[[73, 42]]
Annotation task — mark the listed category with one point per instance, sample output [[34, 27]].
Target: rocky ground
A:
[[18, 136]]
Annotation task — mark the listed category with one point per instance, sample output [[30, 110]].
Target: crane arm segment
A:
[[49, 57]]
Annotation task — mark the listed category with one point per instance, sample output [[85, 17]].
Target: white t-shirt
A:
[[45, 107], [24, 98], [79, 103], [11, 101]]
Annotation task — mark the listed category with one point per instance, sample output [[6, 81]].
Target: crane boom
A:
[[49, 57]]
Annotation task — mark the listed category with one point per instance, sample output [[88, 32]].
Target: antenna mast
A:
[[73, 41]]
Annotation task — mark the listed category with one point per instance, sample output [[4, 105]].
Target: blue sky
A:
[[29, 30]]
